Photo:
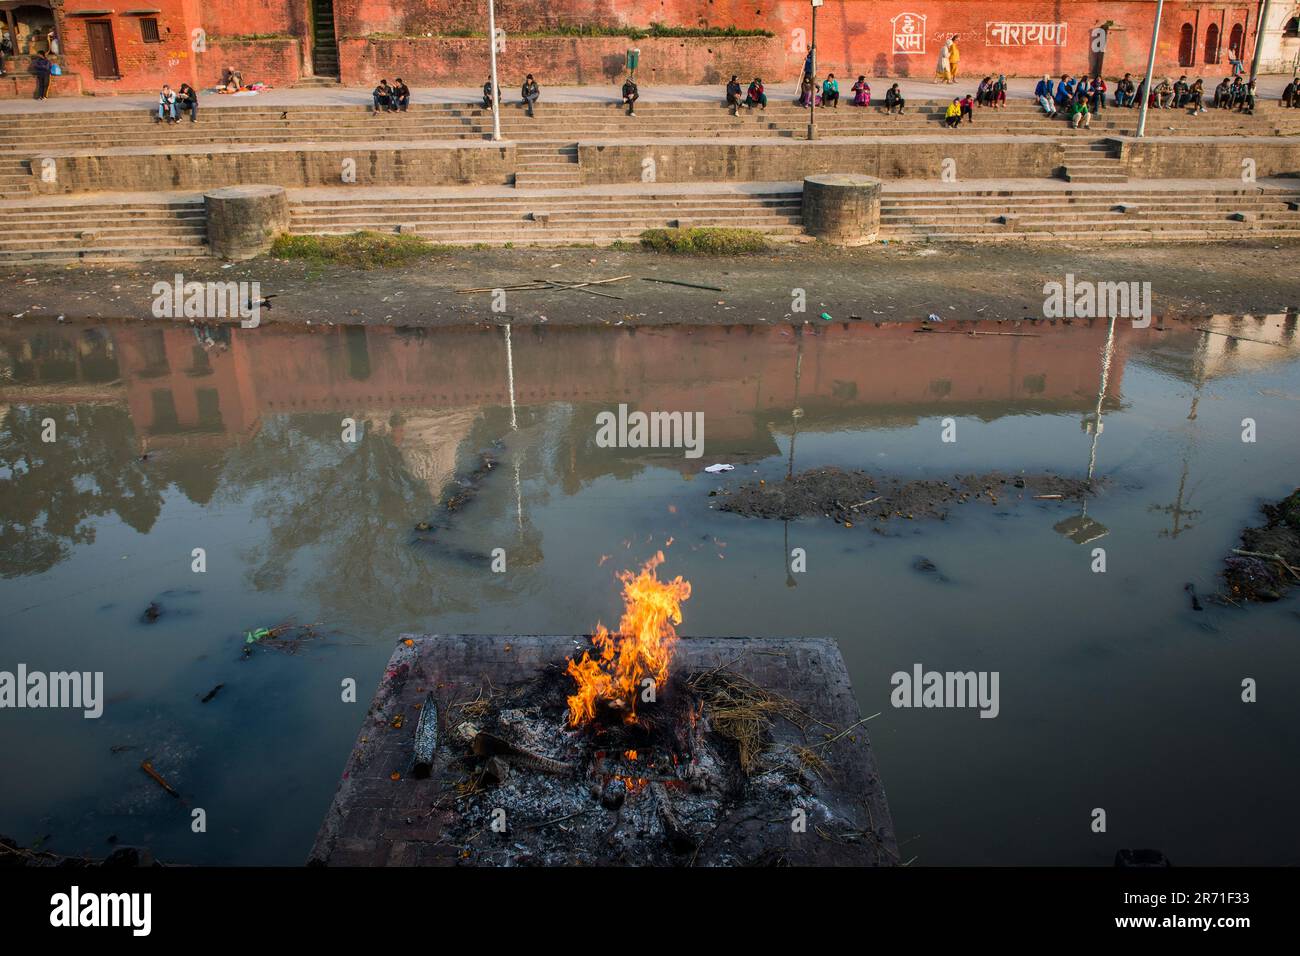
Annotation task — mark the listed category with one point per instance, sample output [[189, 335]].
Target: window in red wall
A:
[[149, 30], [1212, 43]]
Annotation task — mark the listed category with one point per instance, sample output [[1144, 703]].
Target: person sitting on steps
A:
[[531, 93], [630, 94], [382, 95], [1124, 91], [166, 105], [1080, 117], [1044, 94], [735, 94], [952, 116], [861, 92], [401, 96], [894, 98], [489, 101], [831, 92], [755, 94], [187, 98]]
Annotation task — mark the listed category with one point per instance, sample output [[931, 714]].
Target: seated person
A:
[[188, 99], [166, 105], [862, 92], [952, 116], [982, 91], [831, 91], [489, 101], [233, 81], [630, 94], [1196, 96], [401, 95], [1064, 91], [1124, 91], [531, 93], [894, 98], [1247, 103], [1097, 94], [382, 95], [1180, 92], [968, 108], [1079, 115], [1222, 94], [755, 94], [1164, 94], [1044, 94], [998, 94], [1291, 94], [734, 95], [808, 95]]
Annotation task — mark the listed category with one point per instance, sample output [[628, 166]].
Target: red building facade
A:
[[110, 46]]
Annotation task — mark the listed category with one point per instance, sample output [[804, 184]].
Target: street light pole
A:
[[496, 89], [1259, 41], [812, 75], [1151, 69]]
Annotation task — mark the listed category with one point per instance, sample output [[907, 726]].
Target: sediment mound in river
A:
[[1268, 561], [852, 496]]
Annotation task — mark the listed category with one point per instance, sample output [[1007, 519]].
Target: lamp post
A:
[[812, 75], [496, 89], [1259, 40], [1151, 69]]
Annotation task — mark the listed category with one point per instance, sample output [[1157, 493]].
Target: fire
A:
[[641, 648]]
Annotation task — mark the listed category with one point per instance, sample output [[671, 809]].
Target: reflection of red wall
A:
[[169, 355], [731, 374]]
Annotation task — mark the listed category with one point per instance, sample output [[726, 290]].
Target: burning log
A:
[[426, 738]]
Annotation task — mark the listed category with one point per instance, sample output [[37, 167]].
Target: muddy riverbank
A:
[[880, 283]]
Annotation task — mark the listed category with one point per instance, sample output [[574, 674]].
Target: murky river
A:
[[1115, 693]]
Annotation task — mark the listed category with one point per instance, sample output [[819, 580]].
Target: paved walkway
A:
[[1270, 87]]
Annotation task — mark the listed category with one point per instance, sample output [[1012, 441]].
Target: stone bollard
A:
[[243, 221], [843, 208]]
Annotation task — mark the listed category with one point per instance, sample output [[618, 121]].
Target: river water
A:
[[1114, 692]]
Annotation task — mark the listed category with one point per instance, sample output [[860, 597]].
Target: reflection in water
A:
[[171, 437]]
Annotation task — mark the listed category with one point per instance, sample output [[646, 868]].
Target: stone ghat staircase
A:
[[28, 134], [51, 232], [553, 219], [1120, 214]]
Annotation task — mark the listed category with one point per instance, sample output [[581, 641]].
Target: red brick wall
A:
[[854, 36], [142, 65], [557, 60], [276, 62]]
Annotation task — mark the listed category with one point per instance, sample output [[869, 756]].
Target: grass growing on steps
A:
[[362, 250], [705, 241]]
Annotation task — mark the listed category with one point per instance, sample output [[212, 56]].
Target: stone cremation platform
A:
[[510, 783]]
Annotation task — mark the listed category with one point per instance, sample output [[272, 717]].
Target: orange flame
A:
[[642, 647]]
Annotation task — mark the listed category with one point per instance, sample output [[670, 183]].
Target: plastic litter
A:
[[717, 469]]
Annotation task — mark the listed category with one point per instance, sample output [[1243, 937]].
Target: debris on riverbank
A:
[[850, 497], [1268, 561]]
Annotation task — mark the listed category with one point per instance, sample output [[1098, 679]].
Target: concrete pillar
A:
[[243, 221], [843, 208]]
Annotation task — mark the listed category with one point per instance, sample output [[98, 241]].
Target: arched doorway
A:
[[1187, 45], [1211, 44], [1236, 42]]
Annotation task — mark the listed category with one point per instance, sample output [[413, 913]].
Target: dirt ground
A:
[[882, 282]]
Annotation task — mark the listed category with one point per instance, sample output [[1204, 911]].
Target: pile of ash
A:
[[714, 772]]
